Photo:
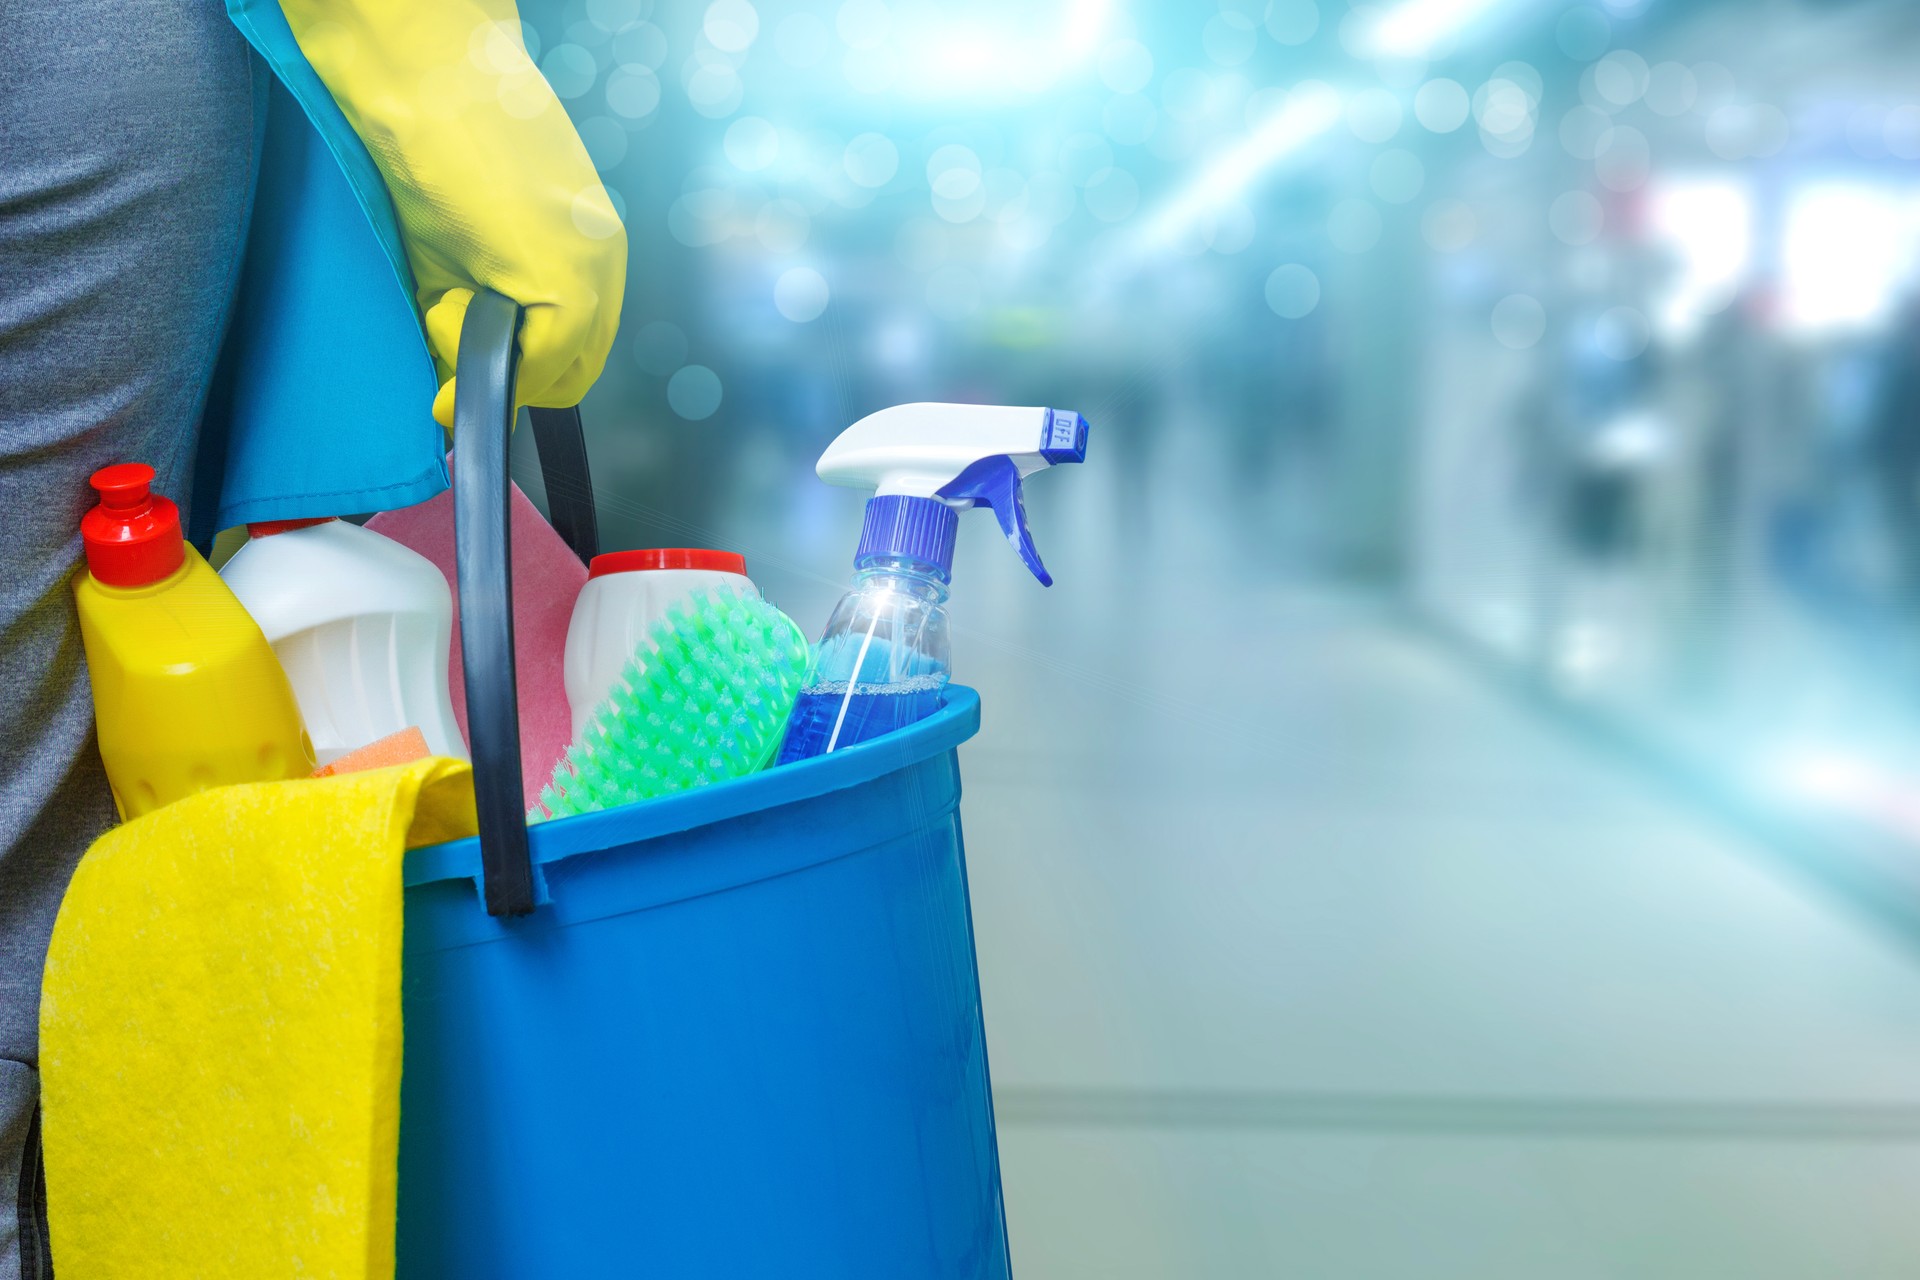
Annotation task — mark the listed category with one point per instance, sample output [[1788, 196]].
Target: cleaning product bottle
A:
[[186, 690], [883, 660], [704, 698], [362, 625], [627, 592]]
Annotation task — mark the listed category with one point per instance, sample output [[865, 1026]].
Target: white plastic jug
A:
[[626, 593], [362, 626]]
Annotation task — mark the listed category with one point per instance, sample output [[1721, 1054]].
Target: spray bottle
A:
[[883, 661]]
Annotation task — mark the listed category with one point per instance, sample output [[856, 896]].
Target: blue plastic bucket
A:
[[739, 1037], [734, 1032]]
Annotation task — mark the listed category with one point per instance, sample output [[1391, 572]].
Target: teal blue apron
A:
[[322, 400]]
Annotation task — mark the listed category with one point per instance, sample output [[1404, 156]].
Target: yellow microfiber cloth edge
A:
[[220, 1031]]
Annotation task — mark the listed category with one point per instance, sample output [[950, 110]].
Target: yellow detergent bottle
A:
[[187, 691]]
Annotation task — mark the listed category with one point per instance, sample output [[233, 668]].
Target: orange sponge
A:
[[403, 747]]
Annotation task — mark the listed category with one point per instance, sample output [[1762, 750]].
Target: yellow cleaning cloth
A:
[[220, 1031]]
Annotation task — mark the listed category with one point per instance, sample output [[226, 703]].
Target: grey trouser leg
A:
[[126, 178]]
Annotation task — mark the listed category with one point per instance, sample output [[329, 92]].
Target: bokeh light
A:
[[694, 392], [1583, 33], [752, 144], [921, 245], [714, 88], [1188, 95], [701, 216], [1353, 226], [1866, 133], [800, 294], [1449, 226], [597, 212], [1576, 217], [1373, 115], [1747, 130], [1230, 228], [640, 44], [871, 160], [1714, 86], [1621, 77], [1111, 194], [1229, 39], [731, 25], [1126, 66], [953, 171], [1585, 132], [782, 226], [803, 40], [1397, 175], [1293, 22], [1670, 89], [1292, 291], [863, 24], [1050, 196], [633, 91], [1902, 131], [1083, 155], [570, 69], [1622, 333], [1518, 321], [605, 141], [1441, 105], [611, 15], [1625, 159], [1129, 118]]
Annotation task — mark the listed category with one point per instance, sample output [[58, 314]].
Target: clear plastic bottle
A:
[[883, 662]]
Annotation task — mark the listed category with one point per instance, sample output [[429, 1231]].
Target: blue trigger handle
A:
[[995, 483]]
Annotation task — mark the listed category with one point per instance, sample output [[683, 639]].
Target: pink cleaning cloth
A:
[[547, 578]]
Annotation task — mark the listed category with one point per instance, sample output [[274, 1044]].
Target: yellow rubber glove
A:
[[491, 184]]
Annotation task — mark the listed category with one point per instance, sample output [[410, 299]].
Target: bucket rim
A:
[[957, 720]]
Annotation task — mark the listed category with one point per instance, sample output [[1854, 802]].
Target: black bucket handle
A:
[[483, 413]]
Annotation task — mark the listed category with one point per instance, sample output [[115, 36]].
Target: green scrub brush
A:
[[706, 698]]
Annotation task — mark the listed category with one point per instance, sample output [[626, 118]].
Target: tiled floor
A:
[[1307, 953]]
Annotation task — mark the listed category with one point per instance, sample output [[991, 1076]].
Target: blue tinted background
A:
[[1454, 816]]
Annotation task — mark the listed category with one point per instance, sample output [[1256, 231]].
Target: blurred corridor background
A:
[[1457, 813]]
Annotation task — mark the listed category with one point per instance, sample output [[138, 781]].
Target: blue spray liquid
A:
[[874, 709]]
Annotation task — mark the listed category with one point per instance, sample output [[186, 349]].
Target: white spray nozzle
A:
[[916, 449], [914, 456]]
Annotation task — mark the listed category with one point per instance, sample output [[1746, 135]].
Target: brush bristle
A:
[[706, 698]]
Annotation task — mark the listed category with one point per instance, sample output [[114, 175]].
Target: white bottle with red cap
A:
[[626, 593], [362, 626]]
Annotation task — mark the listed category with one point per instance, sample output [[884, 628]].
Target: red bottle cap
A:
[[667, 558], [133, 537], [267, 528]]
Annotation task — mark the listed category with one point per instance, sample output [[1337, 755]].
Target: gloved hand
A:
[[491, 184]]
